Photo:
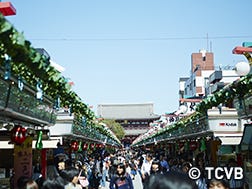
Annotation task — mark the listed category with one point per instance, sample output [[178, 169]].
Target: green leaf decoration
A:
[[31, 66], [80, 147], [5, 26], [39, 144], [18, 38], [202, 145]]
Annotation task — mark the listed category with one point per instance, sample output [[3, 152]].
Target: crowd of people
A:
[[157, 171]]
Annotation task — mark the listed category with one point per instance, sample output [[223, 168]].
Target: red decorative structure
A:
[[85, 146], [92, 146], [193, 145], [18, 134], [7, 9], [242, 50], [74, 145]]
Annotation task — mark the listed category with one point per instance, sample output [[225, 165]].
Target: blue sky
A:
[[133, 51]]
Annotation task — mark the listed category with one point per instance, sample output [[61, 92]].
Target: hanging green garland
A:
[[27, 63]]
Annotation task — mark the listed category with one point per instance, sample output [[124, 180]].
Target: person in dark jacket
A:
[[121, 180], [155, 169], [56, 182], [170, 180]]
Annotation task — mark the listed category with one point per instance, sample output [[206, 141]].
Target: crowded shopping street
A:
[[125, 94]]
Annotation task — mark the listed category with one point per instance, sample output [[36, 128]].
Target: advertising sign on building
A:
[[226, 125]]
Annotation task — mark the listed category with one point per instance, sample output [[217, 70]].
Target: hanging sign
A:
[[230, 124], [23, 159]]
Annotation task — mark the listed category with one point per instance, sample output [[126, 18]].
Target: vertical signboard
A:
[[23, 160]]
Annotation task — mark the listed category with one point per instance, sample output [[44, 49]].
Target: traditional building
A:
[[134, 118]]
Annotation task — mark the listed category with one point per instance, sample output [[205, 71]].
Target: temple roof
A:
[[127, 111]]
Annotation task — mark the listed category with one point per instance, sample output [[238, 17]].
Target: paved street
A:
[[136, 182]]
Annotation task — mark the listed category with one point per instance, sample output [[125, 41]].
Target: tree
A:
[[115, 127]]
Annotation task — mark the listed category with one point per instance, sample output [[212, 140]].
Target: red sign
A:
[[222, 124]]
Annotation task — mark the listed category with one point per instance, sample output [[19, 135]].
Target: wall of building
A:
[[202, 65], [204, 61]]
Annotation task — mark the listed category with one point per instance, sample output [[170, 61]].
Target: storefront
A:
[[78, 140], [217, 135], [244, 108], [24, 128], [22, 158], [228, 128]]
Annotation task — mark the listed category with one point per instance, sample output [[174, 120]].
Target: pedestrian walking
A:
[[155, 169], [26, 183], [94, 177], [170, 180], [164, 164], [218, 184], [56, 182], [146, 167], [71, 175], [122, 179]]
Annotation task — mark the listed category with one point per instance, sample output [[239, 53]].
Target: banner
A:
[[23, 160]]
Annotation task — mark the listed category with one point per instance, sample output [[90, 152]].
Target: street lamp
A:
[[242, 68]]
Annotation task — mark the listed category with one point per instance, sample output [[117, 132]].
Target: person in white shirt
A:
[[146, 167]]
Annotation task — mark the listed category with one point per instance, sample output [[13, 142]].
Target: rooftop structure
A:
[[134, 118], [127, 111]]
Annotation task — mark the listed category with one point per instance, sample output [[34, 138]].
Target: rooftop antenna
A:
[[207, 41]]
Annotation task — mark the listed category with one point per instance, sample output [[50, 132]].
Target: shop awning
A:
[[46, 144], [230, 140]]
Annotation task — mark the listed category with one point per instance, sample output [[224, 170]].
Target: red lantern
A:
[[193, 145], [74, 145], [92, 146], [18, 134], [85, 146]]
